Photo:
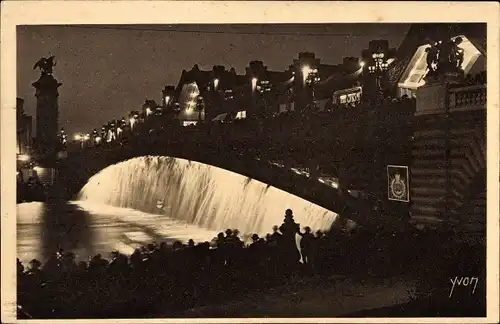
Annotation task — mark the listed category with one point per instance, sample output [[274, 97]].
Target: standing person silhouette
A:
[[289, 246], [307, 246]]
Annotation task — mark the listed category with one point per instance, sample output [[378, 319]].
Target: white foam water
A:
[[199, 194]]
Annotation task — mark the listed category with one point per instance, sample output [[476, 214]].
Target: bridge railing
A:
[[468, 98]]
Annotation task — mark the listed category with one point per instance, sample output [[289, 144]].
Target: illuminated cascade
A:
[[200, 194]]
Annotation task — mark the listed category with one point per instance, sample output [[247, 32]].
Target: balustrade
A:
[[468, 98]]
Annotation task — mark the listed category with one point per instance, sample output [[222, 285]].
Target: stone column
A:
[[47, 115]]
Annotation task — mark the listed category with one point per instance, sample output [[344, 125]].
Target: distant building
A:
[[222, 94], [380, 71], [314, 82], [24, 129]]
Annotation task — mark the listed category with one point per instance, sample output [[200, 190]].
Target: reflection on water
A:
[[200, 194], [87, 229], [44, 228]]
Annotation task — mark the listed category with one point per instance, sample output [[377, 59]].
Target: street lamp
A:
[[62, 137], [254, 83], [200, 106], [310, 78], [132, 121], [177, 108], [305, 72], [378, 67]]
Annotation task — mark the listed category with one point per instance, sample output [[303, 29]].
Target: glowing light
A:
[[254, 83], [78, 137], [306, 70], [330, 181], [216, 83], [189, 123], [241, 115], [362, 63], [86, 137], [23, 157]]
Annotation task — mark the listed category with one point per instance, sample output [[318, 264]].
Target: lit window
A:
[[241, 115]]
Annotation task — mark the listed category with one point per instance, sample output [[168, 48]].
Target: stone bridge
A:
[[322, 190], [443, 145]]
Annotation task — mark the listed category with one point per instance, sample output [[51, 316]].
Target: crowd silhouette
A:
[[177, 277]]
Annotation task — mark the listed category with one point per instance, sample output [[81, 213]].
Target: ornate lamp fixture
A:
[[200, 106], [63, 137], [310, 77], [378, 67], [379, 64]]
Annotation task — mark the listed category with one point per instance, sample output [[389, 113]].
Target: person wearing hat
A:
[[256, 253], [289, 230], [35, 265], [35, 274]]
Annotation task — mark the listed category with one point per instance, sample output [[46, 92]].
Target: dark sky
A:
[[107, 71]]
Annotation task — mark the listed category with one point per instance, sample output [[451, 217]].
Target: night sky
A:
[[107, 71]]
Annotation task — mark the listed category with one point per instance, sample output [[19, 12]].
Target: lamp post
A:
[[96, 139], [177, 108], [62, 138], [310, 77], [378, 69], [200, 106], [253, 82], [133, 118]]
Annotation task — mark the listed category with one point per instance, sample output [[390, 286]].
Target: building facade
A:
[[24, 140]]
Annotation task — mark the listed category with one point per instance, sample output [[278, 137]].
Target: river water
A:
[[152, 199]]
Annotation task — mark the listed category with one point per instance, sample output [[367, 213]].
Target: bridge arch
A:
[[200, 194], [78, 169]]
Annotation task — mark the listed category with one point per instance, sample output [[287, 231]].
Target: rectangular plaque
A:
[[398, 188]]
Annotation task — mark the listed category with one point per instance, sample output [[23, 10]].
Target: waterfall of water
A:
[[200, 194]]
